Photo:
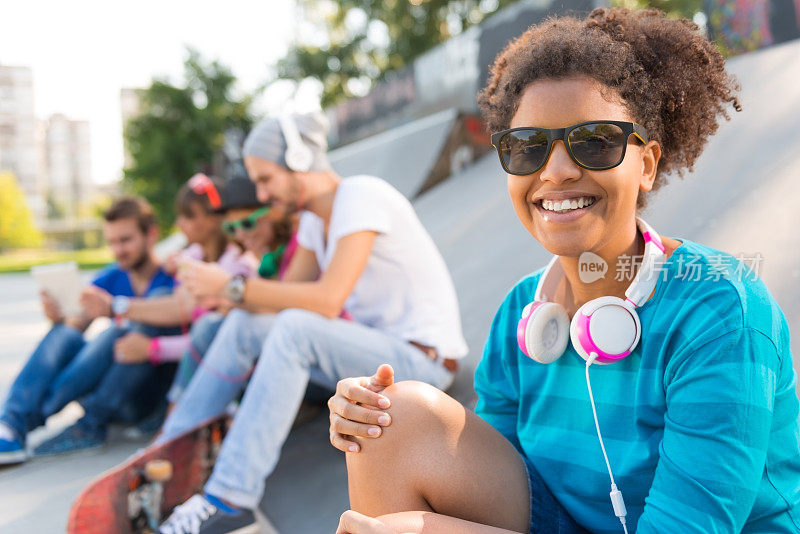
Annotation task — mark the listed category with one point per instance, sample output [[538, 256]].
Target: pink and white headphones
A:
[[607, 326]]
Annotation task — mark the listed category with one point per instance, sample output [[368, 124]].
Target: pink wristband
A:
[[154, 353], [198, 312]]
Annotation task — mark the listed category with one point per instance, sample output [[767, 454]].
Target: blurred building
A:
[[67, 156], [19, 145], [130, 104]]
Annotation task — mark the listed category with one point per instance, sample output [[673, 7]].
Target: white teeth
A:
[[567, 205]]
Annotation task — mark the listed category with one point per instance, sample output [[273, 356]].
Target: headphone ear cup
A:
[[298, 158], [546, 332], [575, 338], [607, 326]]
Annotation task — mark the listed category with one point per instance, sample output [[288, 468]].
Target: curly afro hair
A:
[[670, 77]]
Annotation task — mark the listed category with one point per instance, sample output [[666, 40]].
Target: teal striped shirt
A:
[[700, 422]]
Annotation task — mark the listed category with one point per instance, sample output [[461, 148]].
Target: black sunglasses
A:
[[593, 145]]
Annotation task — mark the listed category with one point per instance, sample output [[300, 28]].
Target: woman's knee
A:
[[419, 412], [416, 399]]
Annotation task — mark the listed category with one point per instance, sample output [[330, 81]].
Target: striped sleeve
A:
[[495, 383], [716, 433]]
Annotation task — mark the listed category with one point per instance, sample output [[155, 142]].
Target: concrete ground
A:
[[739, 199]]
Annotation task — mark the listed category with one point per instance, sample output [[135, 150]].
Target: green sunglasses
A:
[[593, 145], [247, 224]]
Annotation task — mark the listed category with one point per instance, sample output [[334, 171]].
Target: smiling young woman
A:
[[698, 404]]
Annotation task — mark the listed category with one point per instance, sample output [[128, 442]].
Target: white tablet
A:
[[63, 282]]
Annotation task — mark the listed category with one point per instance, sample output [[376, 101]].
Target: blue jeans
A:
[[128, 392], [64, 367], [547, 514], [292, 347], [201, 335]]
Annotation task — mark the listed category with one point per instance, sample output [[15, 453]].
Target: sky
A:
[[82, 52]]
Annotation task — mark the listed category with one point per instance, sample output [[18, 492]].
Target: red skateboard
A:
[[134, 496]]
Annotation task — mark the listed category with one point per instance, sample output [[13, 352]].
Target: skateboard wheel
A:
[[158, 470]]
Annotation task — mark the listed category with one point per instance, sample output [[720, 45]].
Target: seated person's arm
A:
[[53, 312], [168, 310], [96, 298], [79, 323], [135, 347], [302, 268], [325, 296], [716, 431]]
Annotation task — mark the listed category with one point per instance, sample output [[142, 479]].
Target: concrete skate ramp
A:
[[404, 156], [739, 199]]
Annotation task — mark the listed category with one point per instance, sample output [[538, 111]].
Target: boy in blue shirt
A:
[[65, 367]]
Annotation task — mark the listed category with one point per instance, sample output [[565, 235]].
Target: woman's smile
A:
[[561, 207]]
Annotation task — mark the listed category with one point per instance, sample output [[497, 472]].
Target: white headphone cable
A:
[[616, 496]]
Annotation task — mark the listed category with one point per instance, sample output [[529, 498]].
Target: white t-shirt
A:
[[405, 288]]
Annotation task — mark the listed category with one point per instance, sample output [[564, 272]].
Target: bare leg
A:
[[437, 456]]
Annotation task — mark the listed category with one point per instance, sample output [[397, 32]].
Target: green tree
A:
[[17, 229], [180, 131], [349, 44]]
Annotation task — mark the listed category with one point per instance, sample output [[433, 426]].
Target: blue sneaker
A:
[[72, 439], [12, 451], [151, 423]]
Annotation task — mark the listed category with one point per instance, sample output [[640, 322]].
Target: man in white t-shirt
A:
[[363, 254]]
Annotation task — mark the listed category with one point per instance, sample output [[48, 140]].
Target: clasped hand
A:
[[358, 410], [202, 279]]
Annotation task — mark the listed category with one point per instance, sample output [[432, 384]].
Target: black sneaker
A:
[[198, 516]]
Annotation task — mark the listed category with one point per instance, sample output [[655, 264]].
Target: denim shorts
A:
[[547, 514]]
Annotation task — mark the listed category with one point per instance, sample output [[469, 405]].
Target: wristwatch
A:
[[120, 305], [235, 288]]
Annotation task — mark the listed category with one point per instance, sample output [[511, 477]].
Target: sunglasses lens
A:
[[598, 146], [247, 224], [228, 228], [524, 151]]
